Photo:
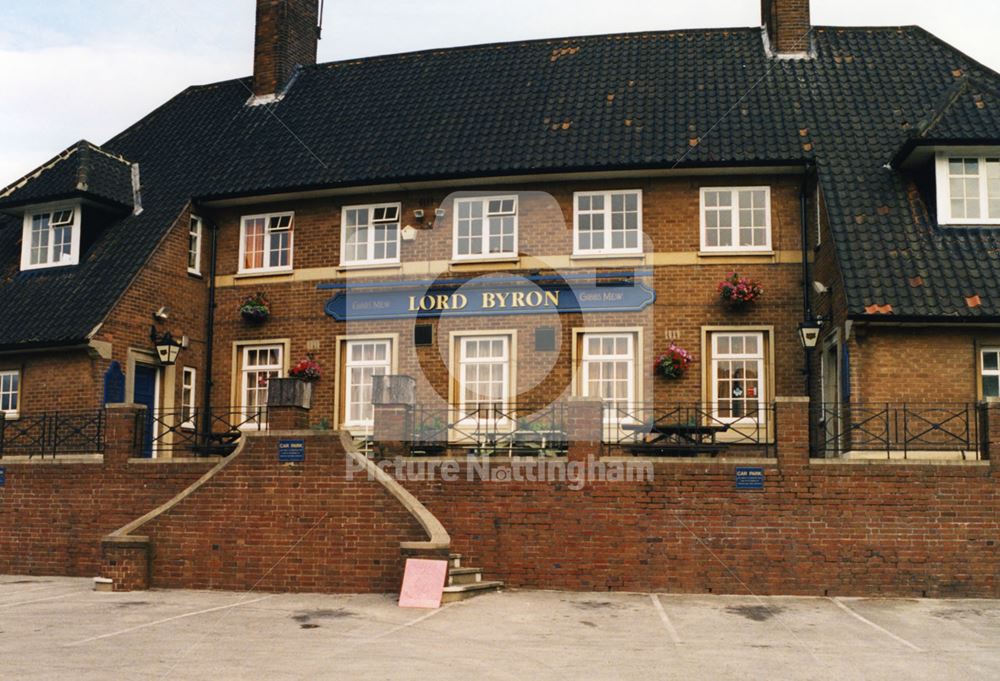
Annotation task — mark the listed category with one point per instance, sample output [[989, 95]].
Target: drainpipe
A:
[[807, 310], [206, 417]]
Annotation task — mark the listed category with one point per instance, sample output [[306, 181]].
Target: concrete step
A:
[[464, 575], [460, 592], [454, 560]]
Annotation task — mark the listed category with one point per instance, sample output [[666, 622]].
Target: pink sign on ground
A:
[[423, 583]]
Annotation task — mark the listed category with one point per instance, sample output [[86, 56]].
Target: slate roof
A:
[[83, 170], [628, 101]]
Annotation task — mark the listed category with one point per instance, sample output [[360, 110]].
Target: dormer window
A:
[[51, 238], [968, 189]]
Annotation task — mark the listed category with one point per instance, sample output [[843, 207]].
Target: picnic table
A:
[[670, 437]]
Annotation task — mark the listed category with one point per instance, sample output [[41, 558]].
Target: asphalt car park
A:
[[59, 628]]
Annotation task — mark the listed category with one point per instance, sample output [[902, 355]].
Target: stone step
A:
[[454, 560], [464, 575], [460, 592]]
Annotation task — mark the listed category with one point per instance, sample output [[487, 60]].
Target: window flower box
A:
[[255, 309], [738, 292]]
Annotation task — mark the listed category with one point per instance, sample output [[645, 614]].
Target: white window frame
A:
[[608, 249], [506, 361], [943, 181], [267, 217], [189, 397], [983, 371], [348, 365], [279, 367], [735, 224], [484, 253], [370, 243], [16, 392], [761, 358], [66, 260], [586, 358], [195, 238]]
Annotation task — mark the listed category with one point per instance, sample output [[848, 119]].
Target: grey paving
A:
[[58, 628]]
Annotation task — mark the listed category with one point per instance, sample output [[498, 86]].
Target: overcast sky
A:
[[86, 69]]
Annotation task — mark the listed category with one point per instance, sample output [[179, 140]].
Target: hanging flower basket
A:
[[739, 292], [306, 370], [255, 309], [674, 362]]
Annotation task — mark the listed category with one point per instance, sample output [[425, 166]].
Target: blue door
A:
[[144, 392]]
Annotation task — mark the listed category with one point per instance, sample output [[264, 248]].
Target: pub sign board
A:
[[291, 451], [475, 301]]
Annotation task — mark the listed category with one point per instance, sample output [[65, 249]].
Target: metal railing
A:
[[690, 429], [185, 432], [53, 433], [490, 429], [898, 430]]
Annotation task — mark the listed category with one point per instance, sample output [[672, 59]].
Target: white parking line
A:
[[39, 600], [668, 625], [885, 631], [168, 619]]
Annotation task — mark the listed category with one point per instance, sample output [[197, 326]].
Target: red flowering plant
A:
[[306, 370], [674, 362], [738, 292]]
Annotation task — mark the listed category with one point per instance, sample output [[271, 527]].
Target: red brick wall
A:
[[283, 527], [53, 515], [787, 23], [818, 530]]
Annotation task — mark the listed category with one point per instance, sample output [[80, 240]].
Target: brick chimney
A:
[[286, 36], [787, 25]]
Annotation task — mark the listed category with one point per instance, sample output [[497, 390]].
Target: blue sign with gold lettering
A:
[[476, 301], [291, 451]]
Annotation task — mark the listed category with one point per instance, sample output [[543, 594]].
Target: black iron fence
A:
[[187, 433], [899, 430], [490, 429], [692, 429], [53, 433]]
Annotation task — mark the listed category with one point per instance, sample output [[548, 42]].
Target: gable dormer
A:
[[81, 188], [953, 155]]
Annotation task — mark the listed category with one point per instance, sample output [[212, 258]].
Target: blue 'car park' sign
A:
[[291, 451], [750, 478]]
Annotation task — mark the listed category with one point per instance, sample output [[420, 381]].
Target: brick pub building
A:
[[518, 233]]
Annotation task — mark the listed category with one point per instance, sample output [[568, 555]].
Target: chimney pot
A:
[[787, 25], [286, 37]]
